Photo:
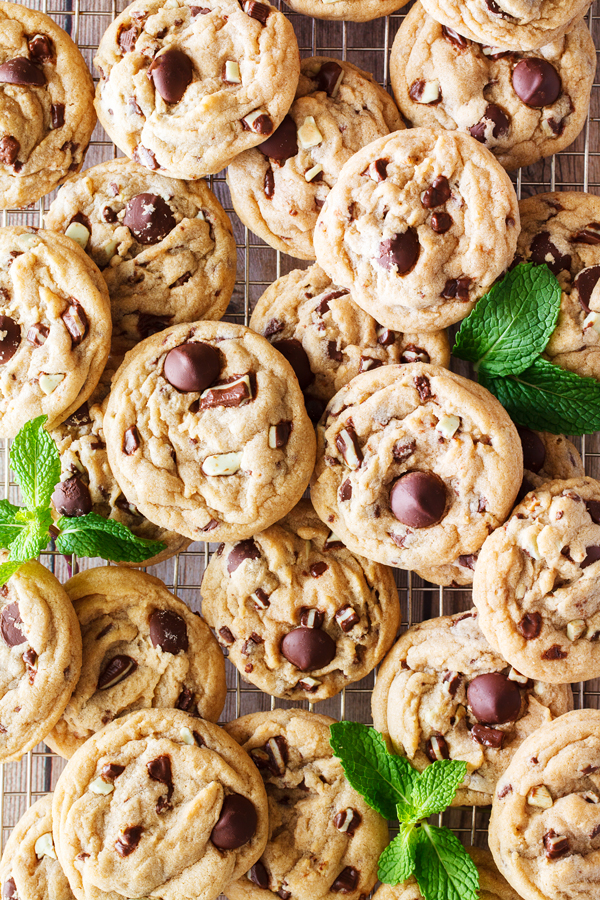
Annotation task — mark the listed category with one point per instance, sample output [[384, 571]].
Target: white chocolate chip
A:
[[528, 541], [49, 383], [307, 682], [186, 736], [28, 240], [513, 675], [222, 464], [307, 549], [110, 248], [430, 93], [575, 629], [232, 72], [448, 426], [100, 786], [308, 133], [200, 215], [540, 796], [44, 846], [78, 233], [490, 51], [312, 173], [273, 437], [171, 4]]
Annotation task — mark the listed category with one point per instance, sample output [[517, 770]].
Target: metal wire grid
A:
[[367, 45]]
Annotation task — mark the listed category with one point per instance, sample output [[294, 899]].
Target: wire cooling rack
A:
[[366, 45]]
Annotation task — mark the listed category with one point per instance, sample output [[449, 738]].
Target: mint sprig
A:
[[92, 535], [504, 337], [441, 865]]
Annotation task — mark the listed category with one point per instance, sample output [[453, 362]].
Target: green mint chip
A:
[[547, 398], [444, 870], [436, 786], [397, 862], [35, 461], [92, 535], [511, 324]]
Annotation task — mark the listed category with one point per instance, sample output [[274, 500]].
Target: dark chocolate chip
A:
[[110, 771], [149, 218], [76, 321], [367, 363], [488, 737], [274, 326], [437, 194], [347, 881], [10, 338], [308, 648], [500, 120], [259, 876], [555, 652], [400, 252], [592, 555], [41, 48], [21, 71], [269, 183], [455, 38], [171, 73], [542, 250], [11, 625], [534, 449], [468, 560], [128, 37], [536, 82], [9, 150], [72, 497], [423, 387], [168, 631], [346, 490], [131, 441], [115, 671], [494, 699], [441, 222], [282, 433], [81, 416], [283, 143], [128, 840], [192, 367], [530, 625], [318, 569], [333, 352], [243, 550], [261, 125], [585, 282], [258, 11], [329, 77], [386, 338], [297, 357], [186, 700], [315, 407], [226, 635], [412, 354], [457, 288], [159, 769], [379, 169], [236, 824], [418, 499]]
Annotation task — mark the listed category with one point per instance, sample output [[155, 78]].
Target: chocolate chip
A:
[[494, 699], [258, 11], [192, 367], [110, 771], [536, 82], [318, 569], [283, 143], [379, 169], [333, 352], [400, 252], [315, 407], [412, 354], [168, 631], [441, 222], [9, 890], [418, 499], [347, 820], [116, 670], [269, 183], [149, 218], [328, 77], [81, 416], [159, 769], [348, 445], [542, 250], [308, 648], [457, 288], [171, 73], [346, 490], [233, 392], [592, 555], [347, 618], [145, 157], [259, 876], [494, 8], [423, 387], [72, 497], [226, 635], [148, 324], [416, 91], [585, 282], [273, 756], [455, 38], [593, 507], [262, 124], [274, 326], [282, 434], [311, 617], [437, 194], [367, 363], [530, 626], [436, 748], [11, 625], [236, 824], [131, 441], [468, 560], [243, 550], [500, 120], [556, 651], [128, 840], [186, 700], [488, 737], [21, 71], [76, 322], [10, 338], [386, 338], [297, 357], [589, 235], [402, 450], [9, 150], [127, 38], [199, 10], [346, 881], [555, 845], [534, 449]]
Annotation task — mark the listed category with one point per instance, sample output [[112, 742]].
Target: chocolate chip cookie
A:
[[46, 105], [158, 803], [55, 327], [328, 339], [165, 247], [324, 840], [184, 89], [536, 583], [563, 231], [545, 824], [40, 657], [443, 693], [279, 187], [415, 463], [347, 10], [206, 431], [526, 24], [419, 225], [301, 616], [29, 868], [521, 105], [142, 647]]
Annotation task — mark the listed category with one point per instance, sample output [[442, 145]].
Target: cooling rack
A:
[[366, 45]]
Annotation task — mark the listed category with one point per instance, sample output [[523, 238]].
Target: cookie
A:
[[562, 230], [419, 225], [545, 457], [443, 693], [535, 583], [279, 187], [206, 431], [523, 105], [184, 89], [88, 484], [142, 648], [346, 10], [29, 868], [545, 816], [338, 339], [324, 840], [165, 247], [55, 327], [47, 103], [40, 657], [158, 803], [300, 614], [492, 886], [415, 463], [526, 24]]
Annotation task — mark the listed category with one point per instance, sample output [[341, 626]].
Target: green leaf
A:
[[10, 526], [512, 323], [547, 398], [35, 461], [444, 869], [8, 569], [92, 535], [436, 786], [383, 779], [33, 537], [397, 861]]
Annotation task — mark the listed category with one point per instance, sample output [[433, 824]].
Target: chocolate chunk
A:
[[311, 617], [588, 235], [283, 143], [348, 445], [308, 648], [127, 38], [243, 550], [347, 820], [131, 441], [500, 120], [171, 73], [455, 38], [231, 393], [315, 407], [437, 194], [457, 288], [347, 618], [416, 91], [116, 670], [258, 11], [282, 434], [346, 490], [530, 626], [9, 890], [259, 876], [192, 366], [468, 560], [441, 222], [168, 631], [386, 338], [76, 322], [9, 150], [81, 416], [555, 845], [148, 324], [555, 652], [414, 354], [494, 8], [297, 357], [269, 183], [536, 82], [488, 737], [400, 252], [128, 840], [423, 387], [149, 218], [585, 282], [494, 699], [110, 771], [367, 363], [273, 756], [145, 157], [11, 625], [199, 10], [21, 71], [159, 769], [226, 635], [347, 881], [285, 895], [329, 77], [436, 748], [592, 555], [236, 824], [41, 48], [403, 449], [542, 250], [10, 338], [186, 700], [418, 499], [534, 450], [72, 497], [318, 569], [593, 507], [333, 352], [274, 326]]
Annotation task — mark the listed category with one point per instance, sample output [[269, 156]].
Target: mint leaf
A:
[[547, 398], [383, 779], [397, 861], [512, 323], [35, 461], [34, 535], [444, 869], [92, 535], [436, 786], [10, 526], [8, 569]]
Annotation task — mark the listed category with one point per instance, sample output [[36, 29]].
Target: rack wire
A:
[[366, 45]]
